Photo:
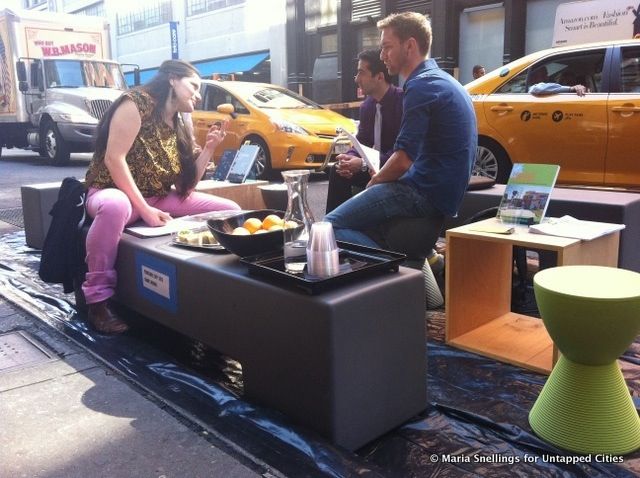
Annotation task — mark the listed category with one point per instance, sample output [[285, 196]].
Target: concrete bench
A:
[[592, 205], [349, 363], [38, 199]]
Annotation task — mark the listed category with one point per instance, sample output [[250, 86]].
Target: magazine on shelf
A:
[[526, 196], [370, 156]]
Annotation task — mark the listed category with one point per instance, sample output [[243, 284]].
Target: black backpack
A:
[[63, 252]]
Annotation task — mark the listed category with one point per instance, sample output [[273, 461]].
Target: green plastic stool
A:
[[592, 313]]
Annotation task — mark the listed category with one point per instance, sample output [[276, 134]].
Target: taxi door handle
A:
[[626, 109], [501, 108]]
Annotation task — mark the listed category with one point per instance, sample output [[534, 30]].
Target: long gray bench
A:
[[592, 205], [38, 199], [349, 363]]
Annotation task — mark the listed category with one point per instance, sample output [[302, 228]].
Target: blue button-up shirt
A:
[[439, 134]]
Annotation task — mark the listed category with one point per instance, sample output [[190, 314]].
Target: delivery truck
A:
[[56, 81]]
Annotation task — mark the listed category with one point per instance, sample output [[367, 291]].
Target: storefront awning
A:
[[234, 64]]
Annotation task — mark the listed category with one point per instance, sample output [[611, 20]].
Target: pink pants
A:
[[111, 211]]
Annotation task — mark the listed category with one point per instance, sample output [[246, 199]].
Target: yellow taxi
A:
[[593, 137], [292, 132]]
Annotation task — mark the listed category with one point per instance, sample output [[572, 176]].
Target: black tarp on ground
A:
[[475, 422]]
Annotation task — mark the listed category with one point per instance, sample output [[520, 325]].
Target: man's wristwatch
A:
[[364, 167]]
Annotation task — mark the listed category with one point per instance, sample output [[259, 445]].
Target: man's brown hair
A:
[[409, 25]]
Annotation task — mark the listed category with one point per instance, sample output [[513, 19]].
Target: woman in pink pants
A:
[[143, 148]]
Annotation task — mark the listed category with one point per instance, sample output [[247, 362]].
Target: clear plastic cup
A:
[[322, 251]]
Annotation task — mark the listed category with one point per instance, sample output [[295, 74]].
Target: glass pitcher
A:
[[296, 238]]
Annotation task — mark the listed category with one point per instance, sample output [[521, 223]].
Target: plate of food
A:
[[199, 238]]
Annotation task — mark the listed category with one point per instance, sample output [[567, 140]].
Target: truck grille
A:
[[98, 108]]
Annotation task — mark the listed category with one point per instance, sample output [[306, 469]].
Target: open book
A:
[[370, 156]]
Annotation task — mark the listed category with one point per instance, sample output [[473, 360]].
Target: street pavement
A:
[[72, 415]]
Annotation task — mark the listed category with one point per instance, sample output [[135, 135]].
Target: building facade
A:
[[325, 36], [241, 39]]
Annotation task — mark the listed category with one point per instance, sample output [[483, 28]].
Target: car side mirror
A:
[[227, 109]]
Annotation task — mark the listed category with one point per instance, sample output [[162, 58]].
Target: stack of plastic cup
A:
[[322, 251]]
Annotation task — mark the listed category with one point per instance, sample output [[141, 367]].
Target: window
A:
[[33, 3], [329, 43], [214, 97], [567, 70], [320, 13], [368, 38], [630, 70], [195, 7], [96, 10], [149, 16]]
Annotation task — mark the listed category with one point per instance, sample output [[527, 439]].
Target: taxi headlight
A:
[[288, 127]]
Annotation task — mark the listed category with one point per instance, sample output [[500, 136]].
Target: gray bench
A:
[[38, 199], [592, 205], [349, 363]]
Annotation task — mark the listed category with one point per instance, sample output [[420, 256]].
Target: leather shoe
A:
[[101, 318]]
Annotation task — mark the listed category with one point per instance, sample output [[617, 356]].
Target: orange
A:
[[240, 231], [290, 224], [272, 220], [275, 227], [260, 231], [252, 224]]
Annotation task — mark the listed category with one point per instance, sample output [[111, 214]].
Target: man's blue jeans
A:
[[374, 206]]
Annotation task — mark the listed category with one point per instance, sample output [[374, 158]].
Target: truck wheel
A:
[[53, 145], [492, 161], [262, 168]]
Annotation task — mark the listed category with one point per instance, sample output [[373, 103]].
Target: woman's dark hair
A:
[[376, 65], [159, 88]]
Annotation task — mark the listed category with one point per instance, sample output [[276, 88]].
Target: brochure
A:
[[243, 163], [568, 226], [526, 196], [370, 156]]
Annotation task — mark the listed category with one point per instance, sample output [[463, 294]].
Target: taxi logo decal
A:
[[557, 116], [525, 115]]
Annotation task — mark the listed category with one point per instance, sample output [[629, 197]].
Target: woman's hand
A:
[[215, 135], [154, 217]]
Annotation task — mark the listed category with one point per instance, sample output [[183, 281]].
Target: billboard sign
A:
[[45, 43], [596, 20]]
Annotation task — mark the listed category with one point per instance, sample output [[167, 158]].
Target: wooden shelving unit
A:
[[478, 284]]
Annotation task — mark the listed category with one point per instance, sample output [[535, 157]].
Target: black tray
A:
[[355, 262]]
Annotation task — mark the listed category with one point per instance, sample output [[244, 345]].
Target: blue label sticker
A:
[[157, 281]]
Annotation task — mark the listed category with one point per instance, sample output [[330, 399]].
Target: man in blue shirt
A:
[[374, 81], [428, 173]]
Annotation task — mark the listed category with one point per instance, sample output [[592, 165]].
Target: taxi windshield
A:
[[272, 98]]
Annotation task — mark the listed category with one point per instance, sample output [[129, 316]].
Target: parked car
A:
[[292, 132], [593, 138]]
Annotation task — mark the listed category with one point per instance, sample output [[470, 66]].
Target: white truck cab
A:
[[56, 81]]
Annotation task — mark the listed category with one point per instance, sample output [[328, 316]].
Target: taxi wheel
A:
[[262, 167], [492, 162]]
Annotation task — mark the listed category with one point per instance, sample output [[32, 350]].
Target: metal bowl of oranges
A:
[[251, 233]]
